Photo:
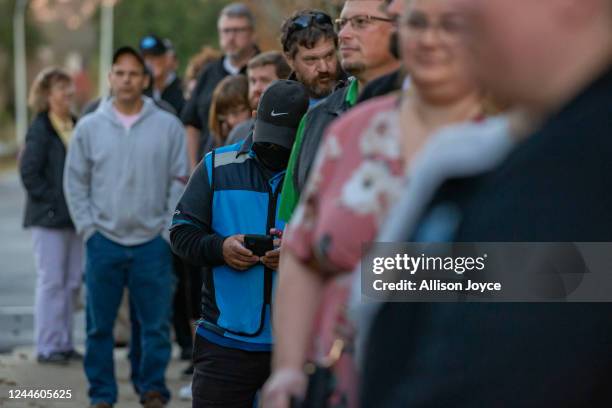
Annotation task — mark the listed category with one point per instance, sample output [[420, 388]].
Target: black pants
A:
[[181, 306], [225, 377]]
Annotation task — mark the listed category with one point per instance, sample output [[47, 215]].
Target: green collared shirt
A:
[[290, 195]]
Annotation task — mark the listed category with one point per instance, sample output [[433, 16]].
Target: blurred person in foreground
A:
[[364, 32], [360, 171], [229, 108], [552, 60], [236, 27], [233, 192], [262, 70], [125, 170], [58, 250], [160, 58]]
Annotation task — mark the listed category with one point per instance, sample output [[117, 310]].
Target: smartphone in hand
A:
[[259, 244]]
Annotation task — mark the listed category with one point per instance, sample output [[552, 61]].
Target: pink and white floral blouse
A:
[[358, 175]]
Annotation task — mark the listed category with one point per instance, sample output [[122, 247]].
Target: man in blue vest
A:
[[233, 192]]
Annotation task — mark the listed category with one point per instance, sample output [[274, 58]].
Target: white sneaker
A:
[[185, 393]]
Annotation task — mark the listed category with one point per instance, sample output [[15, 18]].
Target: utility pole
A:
[[106, 44], [21, 87]]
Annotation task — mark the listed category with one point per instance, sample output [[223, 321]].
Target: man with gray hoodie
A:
[[125, 170]]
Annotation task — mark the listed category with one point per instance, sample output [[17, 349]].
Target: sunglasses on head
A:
[[308, 20]]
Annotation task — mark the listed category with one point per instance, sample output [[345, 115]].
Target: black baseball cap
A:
[[152, 45], [280, 111], [129, 51]]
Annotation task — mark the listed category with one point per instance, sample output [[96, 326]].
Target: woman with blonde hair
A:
[[57, 248]]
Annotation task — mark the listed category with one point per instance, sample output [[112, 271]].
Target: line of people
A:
[[400, 120]]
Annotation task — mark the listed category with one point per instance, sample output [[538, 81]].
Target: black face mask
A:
[[272, 156]]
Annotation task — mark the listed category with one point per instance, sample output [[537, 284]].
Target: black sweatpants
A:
[[226, 377]]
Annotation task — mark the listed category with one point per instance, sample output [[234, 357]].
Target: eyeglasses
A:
[[235, 30], [448, 29], [359, 22]]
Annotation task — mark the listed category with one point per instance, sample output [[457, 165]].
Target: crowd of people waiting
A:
[[235, 206]]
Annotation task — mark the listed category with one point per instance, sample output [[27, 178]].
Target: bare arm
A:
[[297, 300]]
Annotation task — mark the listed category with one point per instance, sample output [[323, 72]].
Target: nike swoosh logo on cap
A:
[[274, 114]]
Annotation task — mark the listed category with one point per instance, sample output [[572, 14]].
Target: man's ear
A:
[[290, 61]]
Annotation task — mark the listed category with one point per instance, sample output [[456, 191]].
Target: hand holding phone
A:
[[259, 244], [236, 255]]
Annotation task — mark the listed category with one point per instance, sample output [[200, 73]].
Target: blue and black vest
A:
[[237, 304]]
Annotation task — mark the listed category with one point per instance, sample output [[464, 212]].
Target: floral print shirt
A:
[[358, 175]]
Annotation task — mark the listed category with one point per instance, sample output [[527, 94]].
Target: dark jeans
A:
[[180, 320], [226, 377], [146, 270]]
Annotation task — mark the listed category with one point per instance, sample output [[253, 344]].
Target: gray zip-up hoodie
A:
[[125, 183]]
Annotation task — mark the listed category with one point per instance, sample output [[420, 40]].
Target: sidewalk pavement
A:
[[20, 371], [18, 367]]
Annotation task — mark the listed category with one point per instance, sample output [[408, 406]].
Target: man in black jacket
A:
[[236, 26], [548, 58], [160, 59]]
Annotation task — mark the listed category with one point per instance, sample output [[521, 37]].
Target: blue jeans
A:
[[146, 270]]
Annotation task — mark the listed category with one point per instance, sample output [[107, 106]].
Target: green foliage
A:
[[33, 38], [189, 24]]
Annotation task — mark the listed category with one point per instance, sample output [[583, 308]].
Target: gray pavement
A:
[[18, 367]]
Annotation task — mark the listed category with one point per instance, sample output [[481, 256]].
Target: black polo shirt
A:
[[195, 112]]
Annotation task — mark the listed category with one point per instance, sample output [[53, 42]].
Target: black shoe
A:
[[188, 372], [153, 399], [73, 355], [101, 405], [53, 358]]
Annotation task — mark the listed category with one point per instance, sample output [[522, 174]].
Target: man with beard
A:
[[235, 191], [236, 27], [310, 46], [361, 28]]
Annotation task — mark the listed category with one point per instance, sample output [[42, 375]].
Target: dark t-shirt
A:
[[195, 112], [555, 187], [172, 95]]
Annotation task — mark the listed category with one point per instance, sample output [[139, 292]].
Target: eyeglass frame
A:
[[235, 30], [340, 23], [441, 27]]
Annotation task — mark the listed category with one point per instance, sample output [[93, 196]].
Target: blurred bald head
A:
[[537, 53]]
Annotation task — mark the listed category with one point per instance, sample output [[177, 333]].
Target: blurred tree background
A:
[[67, 33]]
